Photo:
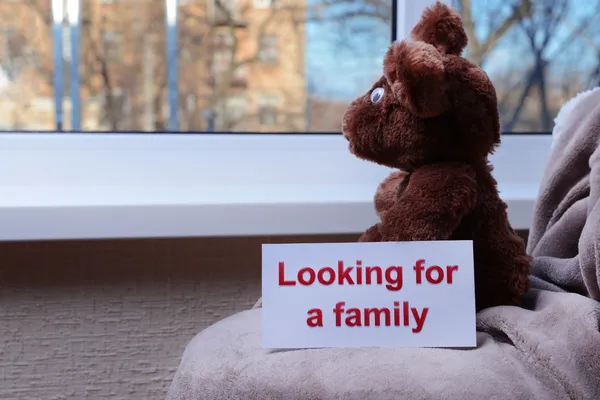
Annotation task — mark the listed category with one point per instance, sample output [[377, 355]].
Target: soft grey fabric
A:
[[550, 353], [548, 349], [565, 236]]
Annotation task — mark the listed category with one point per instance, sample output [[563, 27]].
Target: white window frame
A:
[[92, 186]]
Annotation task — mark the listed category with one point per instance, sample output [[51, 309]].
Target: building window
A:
[[221, 62], [239, 75], [236, 107], [116, 108], [262, 3], [10, 56], [226, 10], [267, 48], [229, 112], [267, 110], [111, 42], [221, 40], [222, 53], [66, 42]]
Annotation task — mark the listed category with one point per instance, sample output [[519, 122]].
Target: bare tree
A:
[[498, 24], [589, 41], [541, 30]]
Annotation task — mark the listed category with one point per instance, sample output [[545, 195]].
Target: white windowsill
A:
[[87, 186]]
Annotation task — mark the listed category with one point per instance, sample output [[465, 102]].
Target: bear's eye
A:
[[377, 95]]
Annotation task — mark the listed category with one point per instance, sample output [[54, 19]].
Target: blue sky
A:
[[345, 71], [344, 68]]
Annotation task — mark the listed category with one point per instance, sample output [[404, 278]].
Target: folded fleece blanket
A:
[[547, 349], [565, 236]]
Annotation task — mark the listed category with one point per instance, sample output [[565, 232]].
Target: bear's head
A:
[[431, 105]]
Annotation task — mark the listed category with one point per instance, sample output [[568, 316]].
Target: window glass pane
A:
[[26, 67], [282, 57], [538, 53], [123, 70], [241, 65], [313, 56]]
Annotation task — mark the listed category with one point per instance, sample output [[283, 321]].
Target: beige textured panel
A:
[[117, 342], [110, 319]]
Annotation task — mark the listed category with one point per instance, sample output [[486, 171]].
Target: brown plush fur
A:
[[436, 122]]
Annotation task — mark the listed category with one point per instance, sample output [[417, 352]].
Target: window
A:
[[262, 3], [267, 48], [221, 62], [125, 45], [226, 11], [267, 110], [223, 40], [299, 46], [292, 174], [66, 42], [226, 70], [232, 111], [529, 48], [115, 110], [111, 42], [15, 52]]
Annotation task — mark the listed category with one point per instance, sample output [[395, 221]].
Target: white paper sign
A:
[[385, 294]]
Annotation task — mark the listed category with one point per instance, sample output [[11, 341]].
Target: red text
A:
[[345, 275], [434, 274], [383, 316]]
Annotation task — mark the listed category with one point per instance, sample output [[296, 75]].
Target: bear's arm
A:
[[386, 196], [433, 204], [388, 192]]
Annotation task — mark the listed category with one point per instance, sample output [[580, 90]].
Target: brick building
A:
[[241, 65]]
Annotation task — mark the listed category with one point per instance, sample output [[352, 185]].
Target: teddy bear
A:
[[433, 118]]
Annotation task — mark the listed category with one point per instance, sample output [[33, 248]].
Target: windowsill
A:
[[167, 212], [134, 186]]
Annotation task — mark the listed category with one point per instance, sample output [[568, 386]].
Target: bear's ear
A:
[[441, 27], [416, 75]]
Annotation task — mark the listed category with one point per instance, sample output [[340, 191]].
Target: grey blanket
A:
[[565, 237], [548, 349]]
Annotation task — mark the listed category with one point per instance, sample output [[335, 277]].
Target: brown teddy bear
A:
[[433, 115]]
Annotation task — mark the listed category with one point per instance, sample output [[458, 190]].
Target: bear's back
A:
[[499, 253]]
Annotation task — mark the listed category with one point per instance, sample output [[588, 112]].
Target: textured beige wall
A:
[[110, 319]]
